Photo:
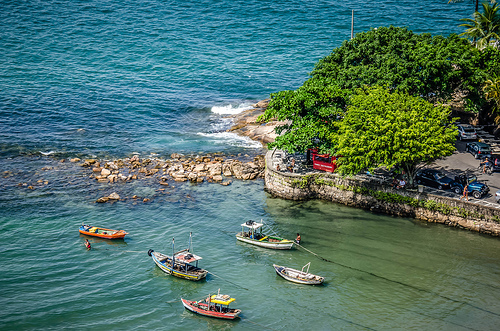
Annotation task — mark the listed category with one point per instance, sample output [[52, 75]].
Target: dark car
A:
[[475, 188], [434, 178], [479, 150]]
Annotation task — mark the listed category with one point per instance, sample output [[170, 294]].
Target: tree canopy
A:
[[484, 28], [434, 68], [384, 128]]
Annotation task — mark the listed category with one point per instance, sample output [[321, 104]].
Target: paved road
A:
[[458, 163], [462, 161]]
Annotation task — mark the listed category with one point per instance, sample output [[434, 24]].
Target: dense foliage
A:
[[484, 28], [419, 64], [310, 114], [435, 68], [392, 130], [422, 69]]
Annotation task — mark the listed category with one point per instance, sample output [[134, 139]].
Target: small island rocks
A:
[[179, 168]]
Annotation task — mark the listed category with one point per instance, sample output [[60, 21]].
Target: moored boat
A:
[[251, 232], [182, 264], [216, 305], [299, 276], [96, 231]]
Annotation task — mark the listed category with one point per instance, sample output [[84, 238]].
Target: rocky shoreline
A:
[[179, 168], [246, 124]]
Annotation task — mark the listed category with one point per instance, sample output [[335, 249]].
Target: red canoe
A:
[[213, 306], [102, 232]]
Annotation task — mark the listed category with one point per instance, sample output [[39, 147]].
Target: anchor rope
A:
[[399, 282], [260, 325], [230, 282]]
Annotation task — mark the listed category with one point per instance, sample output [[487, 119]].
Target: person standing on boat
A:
[[87, 244], [297, 240]]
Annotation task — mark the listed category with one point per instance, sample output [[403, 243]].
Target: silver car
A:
[[466, 132], [497, 196]]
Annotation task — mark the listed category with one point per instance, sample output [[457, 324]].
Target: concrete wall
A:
[[371, 194]]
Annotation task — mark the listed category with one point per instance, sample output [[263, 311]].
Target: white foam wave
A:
[[230, 110], [232, 139], [47, 153]]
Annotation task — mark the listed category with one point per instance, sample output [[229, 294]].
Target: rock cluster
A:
[[247, 124], [179, 168]]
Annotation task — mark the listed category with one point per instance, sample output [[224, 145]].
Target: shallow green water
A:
[[387, 272]]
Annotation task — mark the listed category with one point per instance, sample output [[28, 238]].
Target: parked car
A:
[[434, 178], [474, 188], [466, 132], [495, 163], [479, 150], [497, 196]]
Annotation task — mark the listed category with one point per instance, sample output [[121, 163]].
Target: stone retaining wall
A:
[[374, 196]]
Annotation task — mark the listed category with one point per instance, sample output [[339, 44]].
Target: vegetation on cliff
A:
[[423, 71]]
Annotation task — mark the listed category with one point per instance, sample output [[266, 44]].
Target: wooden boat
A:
[[184, 263], [216, 306], [299, 276], [251, 232], [101, 232]]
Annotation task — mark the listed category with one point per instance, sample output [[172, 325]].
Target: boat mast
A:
[[173, 252], [190, 242]]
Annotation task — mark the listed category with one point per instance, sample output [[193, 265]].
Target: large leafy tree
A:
[[309, 114], [484, 28], [419, 64], [384, 128]]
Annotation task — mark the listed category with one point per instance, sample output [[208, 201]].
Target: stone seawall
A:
[[372, 195]]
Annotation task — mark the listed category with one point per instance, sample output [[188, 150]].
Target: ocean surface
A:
[[110, 79]]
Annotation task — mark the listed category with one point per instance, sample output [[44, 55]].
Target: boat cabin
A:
[[252, 230], [220, 302], [187, 258], [324, 162]]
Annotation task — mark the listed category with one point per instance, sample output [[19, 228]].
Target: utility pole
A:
[[352, 24]]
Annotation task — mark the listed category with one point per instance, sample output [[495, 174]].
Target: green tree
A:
[[491, 91], [384, 128], [484, 28], [434, 68], [419, 64], [309, 115]]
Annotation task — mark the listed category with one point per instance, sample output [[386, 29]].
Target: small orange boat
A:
[[102, 232]]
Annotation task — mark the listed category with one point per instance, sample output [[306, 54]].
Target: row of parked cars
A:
[[437, 179]]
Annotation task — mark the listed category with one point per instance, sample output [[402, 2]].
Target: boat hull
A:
[[104, 233], [202, 309], [168, 269], [297, 276], [286, 244]]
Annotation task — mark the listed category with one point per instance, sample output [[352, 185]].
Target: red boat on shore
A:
[[102, 232], [216, 306]]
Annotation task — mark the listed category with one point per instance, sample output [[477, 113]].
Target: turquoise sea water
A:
[[110, 78]]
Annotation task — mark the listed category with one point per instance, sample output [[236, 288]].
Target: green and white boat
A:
[[251, 232]]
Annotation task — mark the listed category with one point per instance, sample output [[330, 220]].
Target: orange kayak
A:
[[102, 232]]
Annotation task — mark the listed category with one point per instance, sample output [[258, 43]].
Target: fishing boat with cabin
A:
[[96, 231], [251, 232], [216, 305], [299, 276], [182, 264]]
